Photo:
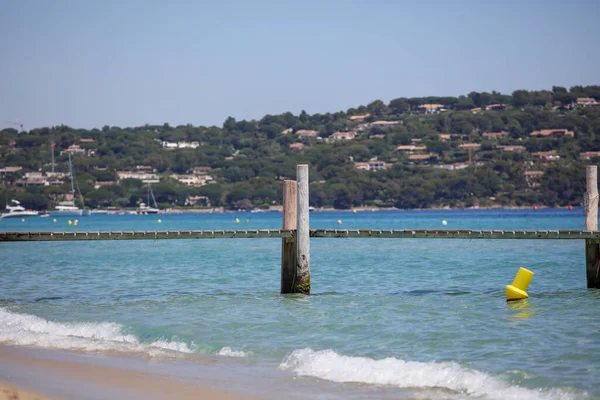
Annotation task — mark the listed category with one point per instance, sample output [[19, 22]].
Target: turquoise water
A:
[[427, 317]]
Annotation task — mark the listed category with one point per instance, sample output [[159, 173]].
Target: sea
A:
[[386, 318]]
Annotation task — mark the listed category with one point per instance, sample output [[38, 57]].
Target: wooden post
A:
[[592, 246], [288, 245], [302, 282]]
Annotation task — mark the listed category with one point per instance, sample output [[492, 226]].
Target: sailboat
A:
[[145, 208], [68, 208]]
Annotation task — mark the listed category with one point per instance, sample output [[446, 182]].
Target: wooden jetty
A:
[[296, 234]]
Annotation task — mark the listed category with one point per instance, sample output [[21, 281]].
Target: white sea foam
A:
[[463, 382], [29, 330], [229, 352]]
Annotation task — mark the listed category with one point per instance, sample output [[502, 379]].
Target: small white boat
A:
[[15, 210]]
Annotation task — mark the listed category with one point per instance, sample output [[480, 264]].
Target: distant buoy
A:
[[54, 220], [70, 222], [237, 220], [354, 211], [22, 219], [517, 290], [145, 212], [246, 221], [75, 223], [339, 221], [535, 208], [444, 222], [159, 220], [372, 209], [570, 207]]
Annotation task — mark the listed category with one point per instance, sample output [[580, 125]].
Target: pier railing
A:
[[296, 234]]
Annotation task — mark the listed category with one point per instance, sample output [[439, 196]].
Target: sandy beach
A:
[[9, 392], [28, 374]]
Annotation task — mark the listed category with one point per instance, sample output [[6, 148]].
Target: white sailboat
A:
[[16, 210], [145, 208], [68, 208]]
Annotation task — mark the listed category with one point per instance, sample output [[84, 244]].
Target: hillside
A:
[[482, 149]]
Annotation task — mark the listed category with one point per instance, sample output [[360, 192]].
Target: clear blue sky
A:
[[126, 63]]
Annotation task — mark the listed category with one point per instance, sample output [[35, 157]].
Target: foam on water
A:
[[229, 352], [29, 330], [329, 365]]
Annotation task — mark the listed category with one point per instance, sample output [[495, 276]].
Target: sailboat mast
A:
[[52, 146], [71, 175]]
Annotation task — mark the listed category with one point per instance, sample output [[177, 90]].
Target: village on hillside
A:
[[480, 150]]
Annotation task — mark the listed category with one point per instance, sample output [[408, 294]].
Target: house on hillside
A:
[[496, 107], [546, 155], [411, 148], [9, 170], [145, 168], [533, 178], [586, 102], [343, 135], [373, 165], [201, 170], [588, 155], [384, 124], [143, 176], [513, 149], [422, 158], [33, 179], [197, 201], [296, 146], [359, 117], [552, 133], [286, 131], [470, 146], [431, 108], [76, 149], [307, 133], [494, 135]]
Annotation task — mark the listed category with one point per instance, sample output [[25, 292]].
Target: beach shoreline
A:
[[31, 373]]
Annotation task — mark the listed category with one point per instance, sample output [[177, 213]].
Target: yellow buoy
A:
[[159, 220], [54, 220], [354, 211], [339, 221], [517, 290], [237, 220], [70, 222], [75, 223], [246, 221], [145, 212], [22, 219]]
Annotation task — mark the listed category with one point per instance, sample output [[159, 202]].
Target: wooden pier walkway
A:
[[296, 233], [313, 233]]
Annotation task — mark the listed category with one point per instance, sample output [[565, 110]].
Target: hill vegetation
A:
[[482, 149]]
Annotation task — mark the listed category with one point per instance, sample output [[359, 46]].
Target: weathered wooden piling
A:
[[288, 245], [592, 246], [302, 281]]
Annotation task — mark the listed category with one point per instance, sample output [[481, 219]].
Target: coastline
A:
[[221, 210]]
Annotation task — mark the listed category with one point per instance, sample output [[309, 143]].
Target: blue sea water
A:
[[425, 317]]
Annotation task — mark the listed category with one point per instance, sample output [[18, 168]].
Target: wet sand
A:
[[8, 392], [28, 371]]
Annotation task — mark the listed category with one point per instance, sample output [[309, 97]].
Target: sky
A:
[[126, 63]]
